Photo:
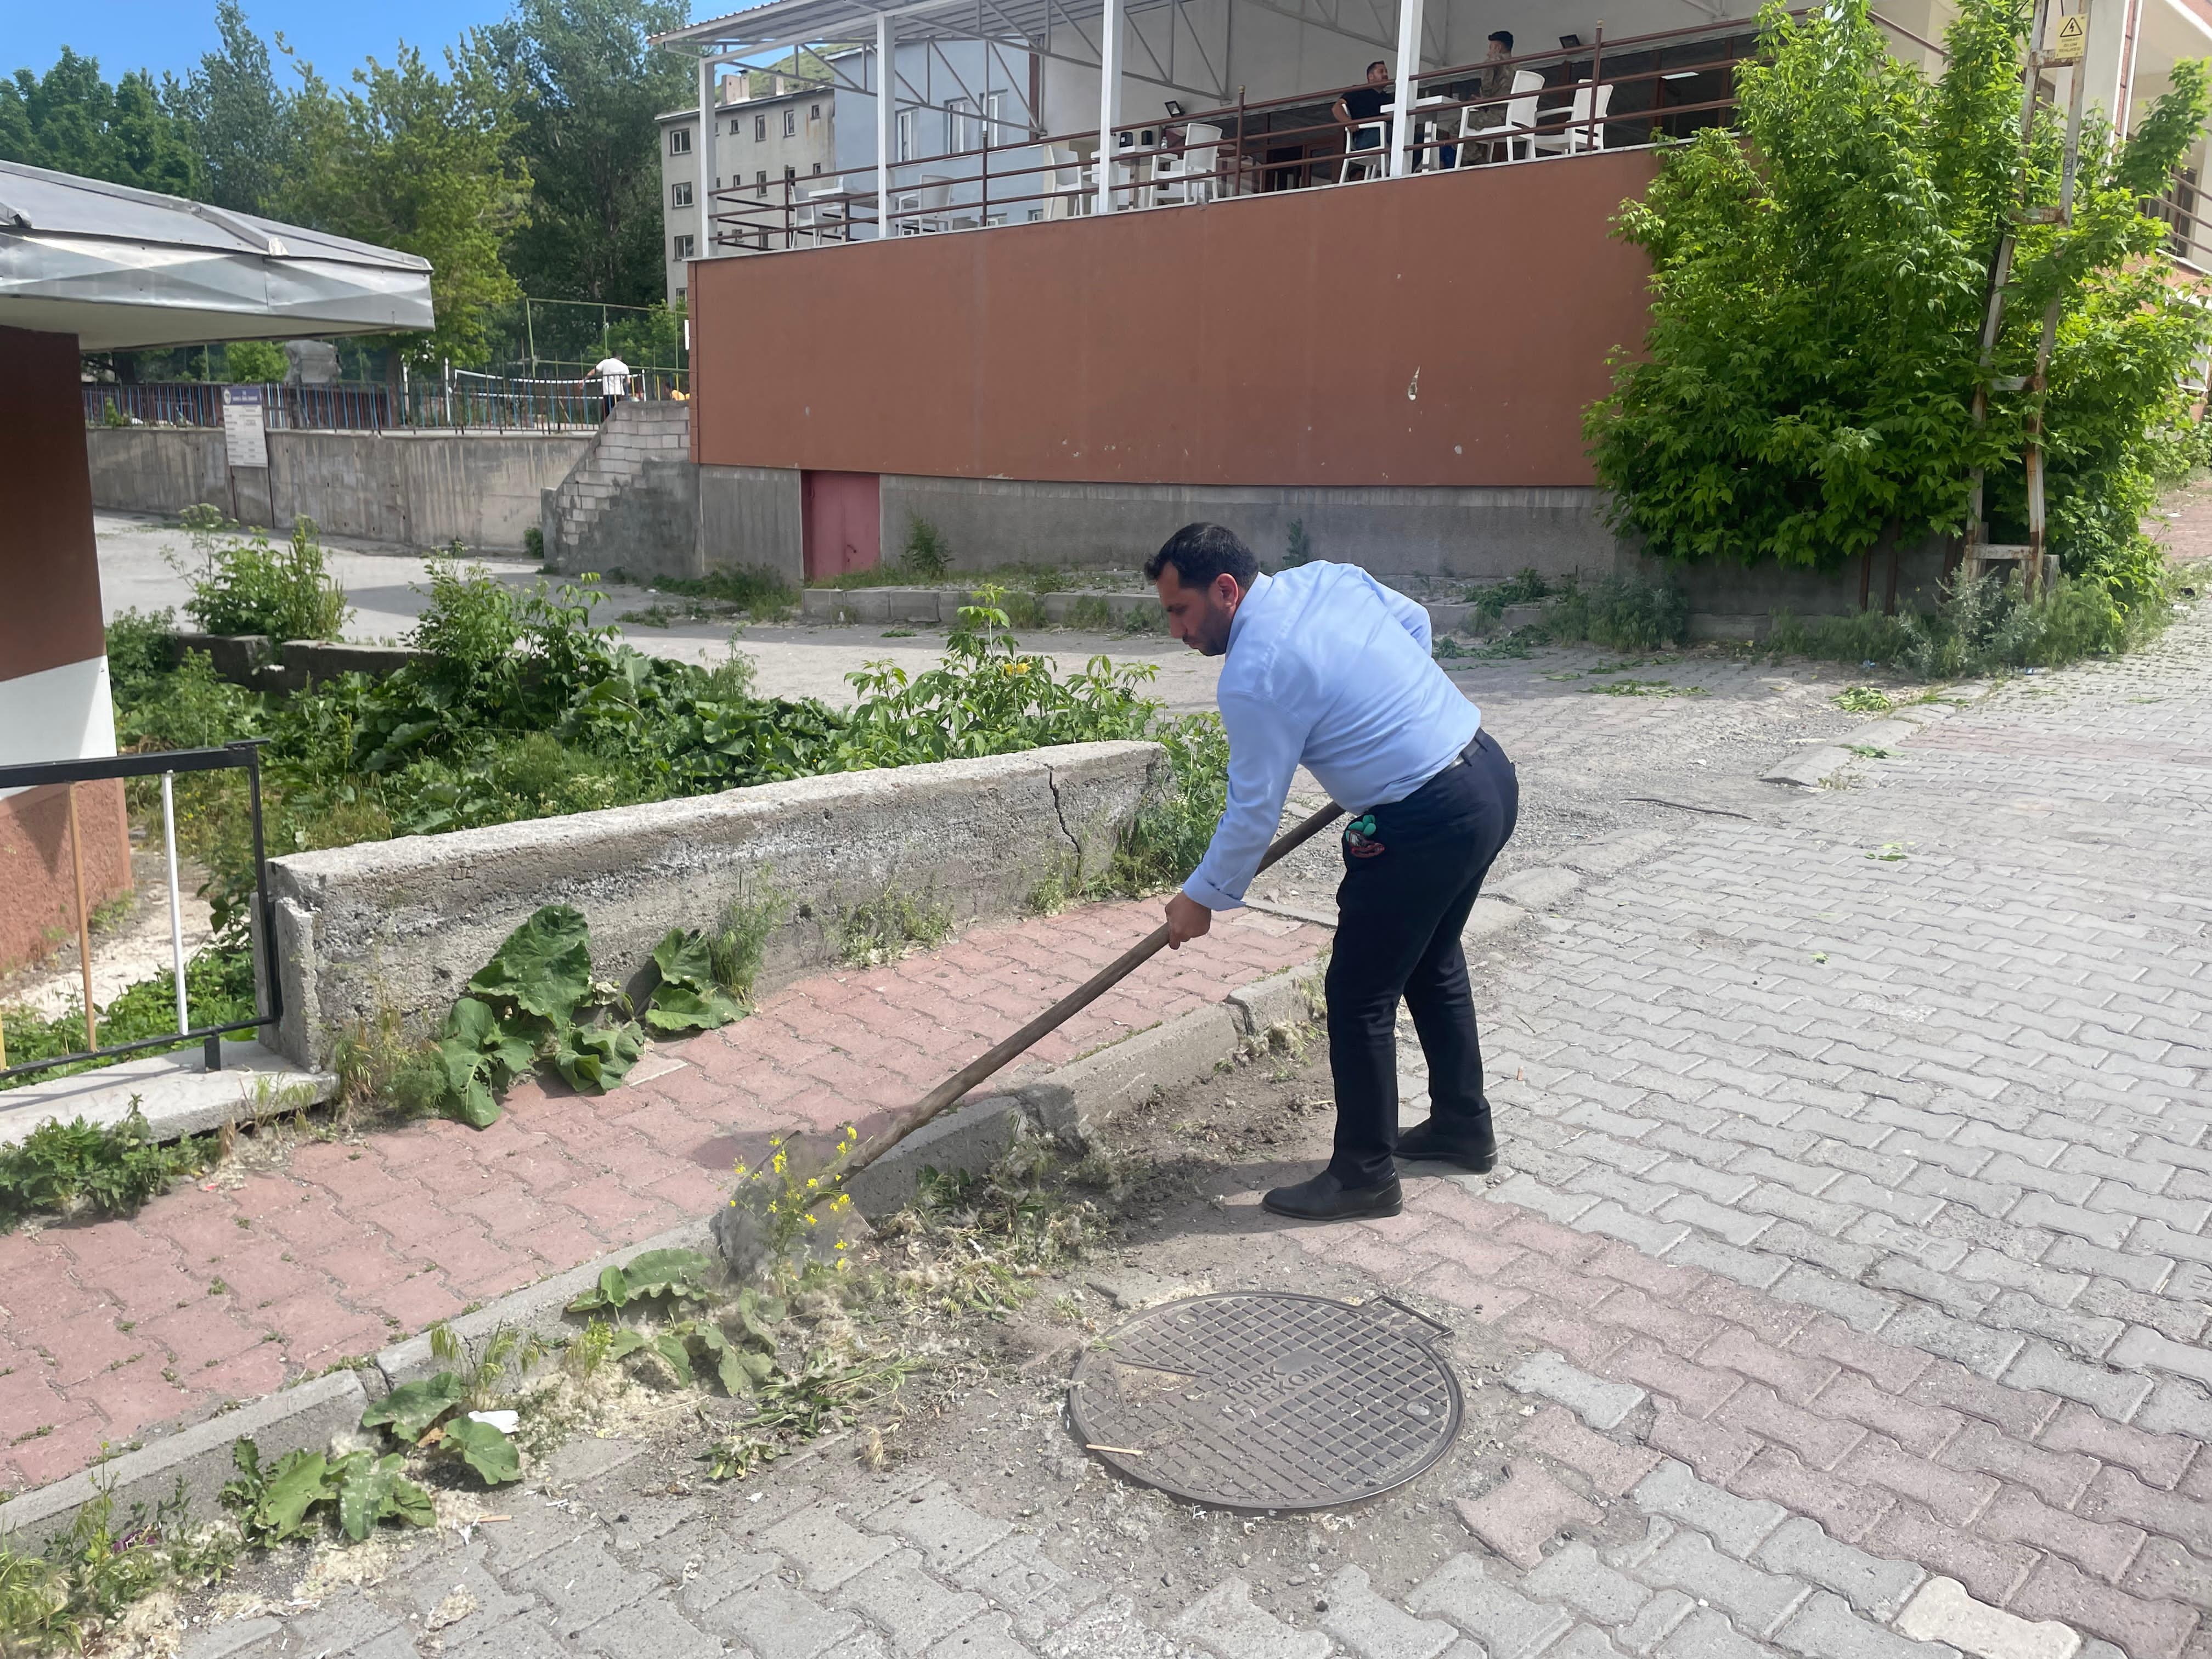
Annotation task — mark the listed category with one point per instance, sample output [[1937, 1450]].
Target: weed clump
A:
[[61, 1168], [250, 587], [1983, 625]]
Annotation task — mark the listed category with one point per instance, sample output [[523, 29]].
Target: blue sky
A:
[[171, 34]]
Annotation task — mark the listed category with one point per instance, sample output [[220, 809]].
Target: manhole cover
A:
[[1269, 1401]]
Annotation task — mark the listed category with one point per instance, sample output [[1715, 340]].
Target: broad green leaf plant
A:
[[1820, 275]]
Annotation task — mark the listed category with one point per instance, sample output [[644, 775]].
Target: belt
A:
[[1461, 758]]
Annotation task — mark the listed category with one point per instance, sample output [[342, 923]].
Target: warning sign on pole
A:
[[2071, 39], [244, 434]]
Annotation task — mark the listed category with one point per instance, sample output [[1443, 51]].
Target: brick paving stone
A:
[[1600, 1404], [1708, 1635], [908, 1602], [1032, 1590], [1371, 1628], [1736, 1524], [1756, 1601], [2057, 1589], [775, 1621], [948, 1532], [1225, 1623], [827, 1548], [1524, 1512], [1509, 1625], [1875, 1586], [990, 1637], [1610, 1467]]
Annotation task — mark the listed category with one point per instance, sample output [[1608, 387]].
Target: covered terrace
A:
[[998, 112]]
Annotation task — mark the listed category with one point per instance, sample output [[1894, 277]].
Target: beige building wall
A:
[[758, 143]]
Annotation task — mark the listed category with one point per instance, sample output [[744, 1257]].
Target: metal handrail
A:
[[244, 755]]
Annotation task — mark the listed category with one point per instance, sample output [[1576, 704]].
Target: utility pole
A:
[[2065, 53]]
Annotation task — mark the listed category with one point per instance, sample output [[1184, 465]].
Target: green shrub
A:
[[1982, 627], [250, 587], [533, 543], [62, 1599], [1522, 587], [112, 1171], [1170, 835], [1620, 612], [1090, 613], [926, 556]]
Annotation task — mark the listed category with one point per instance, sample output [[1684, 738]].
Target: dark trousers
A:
[[1398, 916]]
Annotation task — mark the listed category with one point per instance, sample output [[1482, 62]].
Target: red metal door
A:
[[842, 516]]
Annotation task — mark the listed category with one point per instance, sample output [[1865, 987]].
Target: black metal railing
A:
[[165, 764]]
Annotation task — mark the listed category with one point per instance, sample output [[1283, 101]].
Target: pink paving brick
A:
[[1819, 1440], [2145, 1630], [132, 1397], [1611, 1468], [1990, 1571], [1794, 1377], [1843, 1508], [1484, 1298], [2104, 1549], [2058, 1478], [1572, 1332], [1956, 1498], [1713, 1450], [1696, 1390], [1529, 1508], [2159, 1459], [1889, 1365]]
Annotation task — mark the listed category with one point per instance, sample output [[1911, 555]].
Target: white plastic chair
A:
[[921, 207], [1520, 117], [1178, 180], [1368, 159], [1585, 125], [820, 220], [1073, 185]]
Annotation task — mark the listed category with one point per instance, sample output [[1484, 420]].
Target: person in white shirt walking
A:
[[1329, 669], [612, 374]]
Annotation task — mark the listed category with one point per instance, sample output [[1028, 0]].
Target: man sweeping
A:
[[1327, 668]]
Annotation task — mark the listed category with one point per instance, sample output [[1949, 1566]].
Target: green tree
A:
[[253, 362], [73, 121], [425, 163], [1819, 281], [586, 88], [237, 116]]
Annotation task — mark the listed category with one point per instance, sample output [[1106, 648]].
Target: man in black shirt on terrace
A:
[[1364, 105]]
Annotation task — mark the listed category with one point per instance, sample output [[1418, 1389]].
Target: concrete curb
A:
[[197, 1458], [178, 1097]]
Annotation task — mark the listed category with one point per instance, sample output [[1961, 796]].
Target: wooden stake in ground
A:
[[83, 925]]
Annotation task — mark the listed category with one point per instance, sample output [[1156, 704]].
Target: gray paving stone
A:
[[1875, 1586], [2141, 1270], [1033, 1589], [1665, 1610], [1600, 1404], [1574, 1574], [1225, 1623], [1707, 1635], [1736, 1524], [2111, 1393], [2101, 1228], [232, 1637], [990, 1637], [1865, 1310], [537, 1528], [914, 1608], [1508, 1625], [581, 1583], [1372, 1628], [2087, 1334], [775, 1621], [946, 1531], [826, 1547], [1985, 1352], [1757, 1602], [1750, 1267], [528, 1636], [650, 1629], [1827, 1628]]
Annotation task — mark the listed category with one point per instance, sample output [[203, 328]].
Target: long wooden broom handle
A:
[[1053, 1017]]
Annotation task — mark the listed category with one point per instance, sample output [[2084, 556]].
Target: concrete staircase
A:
[[575, 514]]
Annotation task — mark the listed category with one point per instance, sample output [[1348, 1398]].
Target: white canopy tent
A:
[[125, 269]]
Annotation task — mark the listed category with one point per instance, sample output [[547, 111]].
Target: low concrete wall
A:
[[401, 925], [750, 516], [1476, 533], [1734, 601], [416, 488]]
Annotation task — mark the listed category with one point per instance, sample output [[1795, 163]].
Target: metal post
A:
[[704, 159], [1597, 66], [1409, 66], [83, 925], [1109, 98], [886, 118], [265, 913], [176, 898], [2031, 575]]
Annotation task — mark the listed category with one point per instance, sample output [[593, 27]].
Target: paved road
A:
[[1852, 1260]]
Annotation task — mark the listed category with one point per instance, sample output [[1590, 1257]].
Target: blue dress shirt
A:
[[1328, 667]]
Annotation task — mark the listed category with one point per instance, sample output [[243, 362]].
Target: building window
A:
[[790, 123], [905, 136], [817, 167], [997, 129], [960, 120], [760, 128], [679, 141], [789, 173], [679, 194], [679, 296], [734, 126], [814, 111], [685, 244], [760, 179]]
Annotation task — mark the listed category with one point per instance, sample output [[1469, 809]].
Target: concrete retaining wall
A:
[[415, 488], [401, 925], [1477, 533]]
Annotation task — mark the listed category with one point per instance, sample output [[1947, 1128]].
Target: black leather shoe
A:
[[1474, 1149], [1327, 1199]]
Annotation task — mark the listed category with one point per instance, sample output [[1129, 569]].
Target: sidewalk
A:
[[234, 1289]]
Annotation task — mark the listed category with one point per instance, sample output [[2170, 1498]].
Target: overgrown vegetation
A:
[[926, 556], [218, 989], [1979, 627], [66, 1597], [61, 1169], [247, 587], [1821, 269], [886, 926]]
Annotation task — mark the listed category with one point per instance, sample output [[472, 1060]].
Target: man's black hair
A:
[[1379, 64], [1200, 552], [1503, 37]]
